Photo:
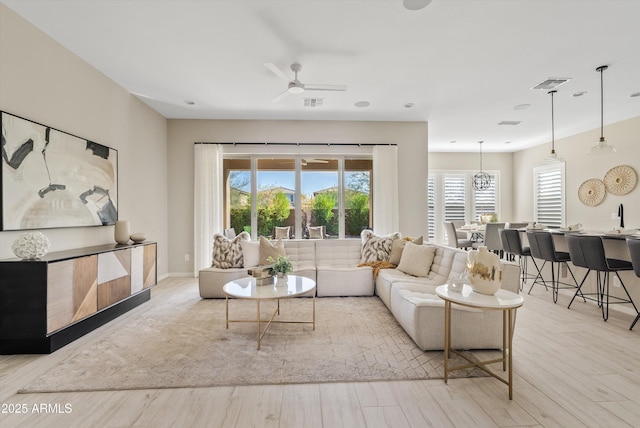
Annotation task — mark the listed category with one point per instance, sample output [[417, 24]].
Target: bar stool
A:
[[634, 250], [588, 251], [512, 244], [542, 247]]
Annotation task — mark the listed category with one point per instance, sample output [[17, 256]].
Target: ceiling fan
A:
[[297, 87]]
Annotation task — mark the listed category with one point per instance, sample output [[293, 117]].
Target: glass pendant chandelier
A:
[[481, 180], [553, 156], [601, 147]]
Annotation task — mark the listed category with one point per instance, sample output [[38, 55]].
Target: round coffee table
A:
[[246, 288]]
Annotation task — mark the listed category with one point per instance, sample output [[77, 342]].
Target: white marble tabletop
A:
[[246, 288], [503, 299]]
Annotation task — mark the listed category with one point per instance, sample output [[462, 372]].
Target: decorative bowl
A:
[[138, 237]]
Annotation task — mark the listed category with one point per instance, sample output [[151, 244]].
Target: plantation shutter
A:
[[454, 197], [431, 210], [485, 200], [549, 195]]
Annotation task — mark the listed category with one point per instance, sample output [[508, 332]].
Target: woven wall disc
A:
[[620, 180], [592, 192]]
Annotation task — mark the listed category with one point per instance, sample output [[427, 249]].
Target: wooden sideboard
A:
[[50, 302]]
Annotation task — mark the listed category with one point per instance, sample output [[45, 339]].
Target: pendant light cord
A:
[[601, 69], [553, 135]]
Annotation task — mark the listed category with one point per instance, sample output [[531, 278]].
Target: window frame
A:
[[436, 214], [559, 167], [298, 172]]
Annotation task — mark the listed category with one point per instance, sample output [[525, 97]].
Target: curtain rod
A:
[[298, 144]]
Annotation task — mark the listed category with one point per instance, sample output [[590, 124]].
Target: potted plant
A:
[[282, 266]]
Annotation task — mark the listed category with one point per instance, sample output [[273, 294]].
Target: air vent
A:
[[313, 102], [510, 122], [551, 83]]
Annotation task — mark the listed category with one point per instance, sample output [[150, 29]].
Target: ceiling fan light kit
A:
[[295, 86], [601, 147]]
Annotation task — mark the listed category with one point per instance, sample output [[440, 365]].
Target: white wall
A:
[[624, 135], [42, 81], [411, 138]]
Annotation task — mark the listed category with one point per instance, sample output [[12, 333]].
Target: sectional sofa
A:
[[333, 264]]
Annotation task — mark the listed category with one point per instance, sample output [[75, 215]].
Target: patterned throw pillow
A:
[[376, 248], [227, 253]]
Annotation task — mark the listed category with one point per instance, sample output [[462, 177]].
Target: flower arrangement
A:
[[282, 265]]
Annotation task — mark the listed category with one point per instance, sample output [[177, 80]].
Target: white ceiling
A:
[[464, 64]]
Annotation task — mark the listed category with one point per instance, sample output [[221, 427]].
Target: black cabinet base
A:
[[60, 338]]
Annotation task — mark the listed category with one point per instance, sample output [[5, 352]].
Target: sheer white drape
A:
[[208, 208], [385, 190]]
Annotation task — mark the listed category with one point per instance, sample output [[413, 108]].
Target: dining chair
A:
[[588, 251], [543, 248], [452, 237], [634, 251], [492, 238]]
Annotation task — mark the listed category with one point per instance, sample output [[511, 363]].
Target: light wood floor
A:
[[571, 370]]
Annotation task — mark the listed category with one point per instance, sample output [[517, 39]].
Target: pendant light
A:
[[481, 180], [553, 156], [602, 147]]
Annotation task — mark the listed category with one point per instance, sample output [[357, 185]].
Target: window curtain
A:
[[385, 190], [208, 205]]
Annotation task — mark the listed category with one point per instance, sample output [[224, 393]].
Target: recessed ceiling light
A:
[[409, 105], [452, 141], [635, 94], [507, 142], [579, 94], [416, 4], [362, 104], [522, 106], [189, 102], [510, 122]]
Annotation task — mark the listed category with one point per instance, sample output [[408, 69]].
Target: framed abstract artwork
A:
[[53, 179]]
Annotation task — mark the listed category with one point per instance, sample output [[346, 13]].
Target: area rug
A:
[[181, 341]]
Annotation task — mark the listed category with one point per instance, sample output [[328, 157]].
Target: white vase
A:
[[283, 279], [484, 271], [122, 232]]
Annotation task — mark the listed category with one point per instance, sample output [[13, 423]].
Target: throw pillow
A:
[[416, 260], [376, 248], [250, 253], [267, 249], [398, 245], [282, 232], [315, 232], [227, 253]]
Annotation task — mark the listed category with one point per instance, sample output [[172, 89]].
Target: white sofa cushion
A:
[[416, 260], [250, 253], [420, 312]]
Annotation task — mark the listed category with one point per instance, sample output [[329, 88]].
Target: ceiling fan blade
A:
[[321, 87], [281, 96], [276, 70]]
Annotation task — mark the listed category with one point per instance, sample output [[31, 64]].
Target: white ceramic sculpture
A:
[[484, 271], [31, 246]]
